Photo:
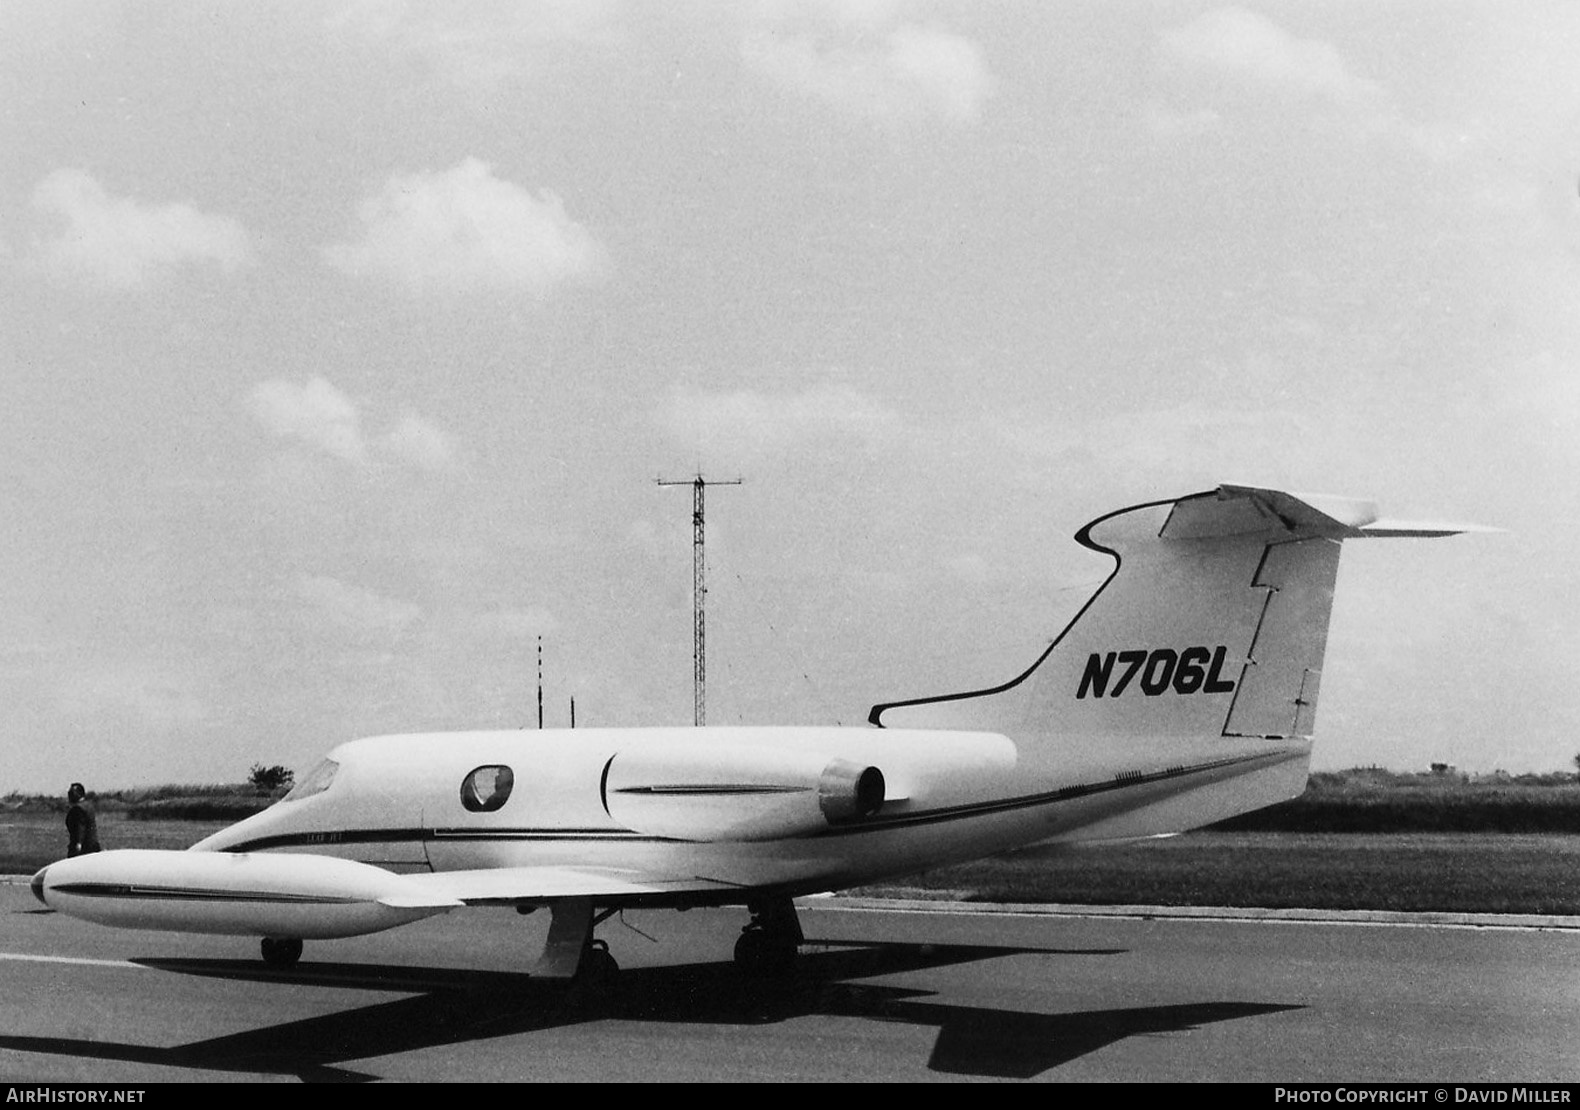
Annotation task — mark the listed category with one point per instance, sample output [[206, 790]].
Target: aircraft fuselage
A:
[[409, 803]]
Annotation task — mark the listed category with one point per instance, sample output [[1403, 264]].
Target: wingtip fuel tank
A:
[[240, 894]]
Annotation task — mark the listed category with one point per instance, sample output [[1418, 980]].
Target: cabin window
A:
[[487, 788], [315, 781]]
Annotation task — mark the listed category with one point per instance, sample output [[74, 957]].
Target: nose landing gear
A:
[[281, 951]]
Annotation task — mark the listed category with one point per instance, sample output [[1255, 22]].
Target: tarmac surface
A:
[[885, 990]]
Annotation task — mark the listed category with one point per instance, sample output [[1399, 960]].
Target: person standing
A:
[[82, 827]]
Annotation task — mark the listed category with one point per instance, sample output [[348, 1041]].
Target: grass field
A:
[[1451, 872], [30, 840], [1464, 872], [1371, 800]]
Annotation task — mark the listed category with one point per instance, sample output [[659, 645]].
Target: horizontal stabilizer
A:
[[1239, 509], [1387, 529]]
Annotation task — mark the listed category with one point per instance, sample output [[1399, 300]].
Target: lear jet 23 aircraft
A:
[[1183, 693]]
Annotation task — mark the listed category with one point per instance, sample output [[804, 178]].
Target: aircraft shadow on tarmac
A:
[[449, 1006]]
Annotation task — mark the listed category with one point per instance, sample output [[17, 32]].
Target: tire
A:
[[281, 951], [762, 953]]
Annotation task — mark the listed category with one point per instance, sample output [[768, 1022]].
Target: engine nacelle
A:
[[725, 792]]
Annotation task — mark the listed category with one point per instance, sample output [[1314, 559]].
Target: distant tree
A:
[[1577, 765], [266, 780]]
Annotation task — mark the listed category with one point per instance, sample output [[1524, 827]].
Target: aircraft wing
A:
[[524, 885]]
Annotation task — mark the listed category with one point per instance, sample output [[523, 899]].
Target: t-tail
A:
[[1199, 658]]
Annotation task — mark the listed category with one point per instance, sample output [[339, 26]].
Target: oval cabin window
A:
[[487, 788]]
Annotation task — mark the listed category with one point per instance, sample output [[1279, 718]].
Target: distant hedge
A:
[[1391, 816], [1383, 802], [175, 802], [198, 809]]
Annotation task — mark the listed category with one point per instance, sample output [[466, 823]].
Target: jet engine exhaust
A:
[[848, 791]]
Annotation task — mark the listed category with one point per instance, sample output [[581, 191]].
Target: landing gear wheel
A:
[[769, 944], [281, 951], [759, 952], [598, 967], [595, 976]]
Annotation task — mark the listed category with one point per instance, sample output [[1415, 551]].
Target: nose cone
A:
[[38, 884]]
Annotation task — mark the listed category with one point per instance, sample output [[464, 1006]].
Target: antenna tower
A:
[[699, 593]]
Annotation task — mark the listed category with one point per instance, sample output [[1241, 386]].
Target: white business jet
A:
[[1183, 693]]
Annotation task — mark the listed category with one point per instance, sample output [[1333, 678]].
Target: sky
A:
[[342, 345]]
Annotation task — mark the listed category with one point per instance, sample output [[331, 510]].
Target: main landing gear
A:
[[281, 951], [767, 947], [770, 942], [571, 953], [597, 971]]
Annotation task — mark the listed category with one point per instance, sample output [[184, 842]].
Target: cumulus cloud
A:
[[463, 230], [865, 60], [324, 418], [1235, 41], [124, 243], [354, 609], [1253, 50], [316, 413], [747, 423]]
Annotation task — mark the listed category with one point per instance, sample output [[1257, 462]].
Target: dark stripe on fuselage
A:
[[879, 823], [725, 789], [421, 836], [189, 894], [336, 836], [624, 836], [1123, 781]]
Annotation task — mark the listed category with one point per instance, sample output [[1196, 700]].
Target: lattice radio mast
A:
[[699, 594]]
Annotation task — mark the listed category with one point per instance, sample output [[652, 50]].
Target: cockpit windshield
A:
[[315, 781]]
